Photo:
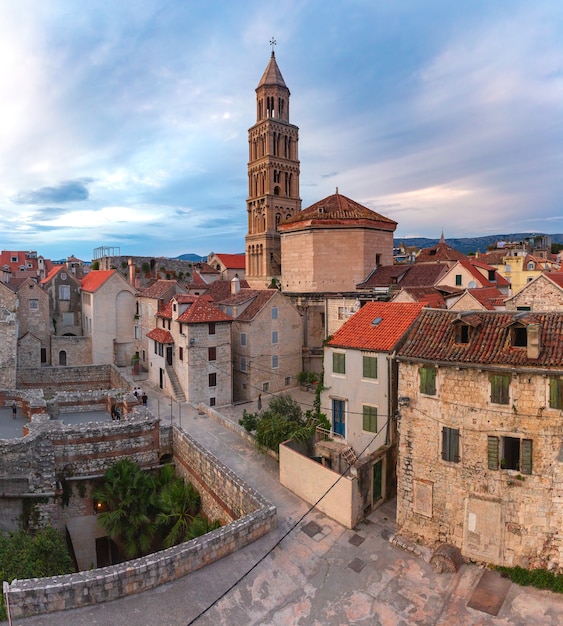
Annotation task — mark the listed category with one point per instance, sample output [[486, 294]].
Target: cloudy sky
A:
[[125, 123]]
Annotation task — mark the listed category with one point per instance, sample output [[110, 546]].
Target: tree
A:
[[128, 495], [179, 503]]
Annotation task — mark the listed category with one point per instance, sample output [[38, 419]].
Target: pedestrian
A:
[[135, 393], [144, 398], [113, 411], [14, 409], [139, 393], [117, 413]]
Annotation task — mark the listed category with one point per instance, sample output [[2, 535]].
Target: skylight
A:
[[377, 321]]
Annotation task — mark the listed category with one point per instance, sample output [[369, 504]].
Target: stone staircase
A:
[[177, 390]]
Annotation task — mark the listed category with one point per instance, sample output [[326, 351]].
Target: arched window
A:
[[62, 357], [276, 191]]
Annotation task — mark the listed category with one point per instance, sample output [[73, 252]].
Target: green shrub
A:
[[538, 578], [249, 421]]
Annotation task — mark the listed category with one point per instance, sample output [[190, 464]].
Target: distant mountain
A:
[[469, 245], [194, 258]]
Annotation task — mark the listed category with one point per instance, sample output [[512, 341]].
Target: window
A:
[[43, 355], [518, 337], [243, 339], [369, 366], [274, 312], [33, 304], [450, 444], [212, 401], [462, 333], [369, 418], [523, 308], [243, 364], [500, 387], [287, 381], [275, 361], [62, 357], [428, 380], [507, 269], [212, 353], [64, 292], [509, 453], [339, 362], [137, 332], [338, 417], [458, 280], [14, 259], [266, 387], [156, 347], [181, 353], [68, 318], [274, 337], [160, 349], [211, 328], [555, 393], [492, 276], [63, 276], [213, 380], [531, 266]]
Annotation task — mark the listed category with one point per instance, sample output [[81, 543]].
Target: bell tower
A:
[[273, 177]]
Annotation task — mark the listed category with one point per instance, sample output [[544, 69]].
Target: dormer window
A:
[[531, 266], [492, 276], [518, 337], [462, 333]]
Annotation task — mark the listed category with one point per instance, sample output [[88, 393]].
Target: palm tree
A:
[[127, 494], [200, 526], [179, 503]]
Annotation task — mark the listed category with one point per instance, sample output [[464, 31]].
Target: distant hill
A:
[[194, 258], [469, 245]]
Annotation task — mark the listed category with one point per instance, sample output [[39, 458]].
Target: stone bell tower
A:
[[273, 177]]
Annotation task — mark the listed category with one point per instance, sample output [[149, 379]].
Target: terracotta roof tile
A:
[[161, 335], [95, 279], [202, 311], [440, 252], [157, 289], [361, 333], [220, 290], [338, 210], [233, 261], [432, 338]]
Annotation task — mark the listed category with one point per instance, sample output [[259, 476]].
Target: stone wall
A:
[[500, 516], [256, 516], [53, 379], [78, 350]]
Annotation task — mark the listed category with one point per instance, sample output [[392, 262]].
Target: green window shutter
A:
[[428, 380], [423, 376], [555, 393], [369, 419], [445, 444], [500, 388], [492, 452], [369, 366], [338, 363], [526, 456], [454, 445]]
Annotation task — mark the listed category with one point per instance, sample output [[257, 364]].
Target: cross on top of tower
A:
[[273, 43]]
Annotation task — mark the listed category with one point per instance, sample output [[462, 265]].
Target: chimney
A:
[[131, 269], [235, 286], [533, 336]]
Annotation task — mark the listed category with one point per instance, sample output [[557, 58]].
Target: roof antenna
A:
[[337, 190]]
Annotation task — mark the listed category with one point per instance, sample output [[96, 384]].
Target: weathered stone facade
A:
[[541, 294], [34, 328], [71, 351], [480, 463]]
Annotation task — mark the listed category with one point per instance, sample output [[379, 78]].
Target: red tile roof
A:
[[232, 261], [220, 290], [556, 277], [489, 297], [259, 297], [161, 335], [202, 311], [425, 275], [432, 338], [429, 295], [52, 273], [157, 289], [440, 252], [95, 279], [338, 210], [361, 333]]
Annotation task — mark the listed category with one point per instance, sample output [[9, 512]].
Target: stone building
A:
[[542, 293], [34, 327], [267, 335], [229, 266], [8, 337], [108, 315], [273, 177], [64, 301], [190, 355], [480, 462]]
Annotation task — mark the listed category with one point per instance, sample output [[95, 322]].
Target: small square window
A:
[[287, 381], [266, 387], [212, 401], [34, 304]]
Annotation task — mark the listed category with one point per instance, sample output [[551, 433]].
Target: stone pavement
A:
[[309, 571]]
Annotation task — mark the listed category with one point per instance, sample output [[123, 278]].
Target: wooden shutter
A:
[[526, 456], [450, 444], [369, 366], [428, 380], [555, 393], [500, 388], [492, 452], [369, 419]]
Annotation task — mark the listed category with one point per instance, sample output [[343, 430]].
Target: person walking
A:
[[14, 410], [144, 398]]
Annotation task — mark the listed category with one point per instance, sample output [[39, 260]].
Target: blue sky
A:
[[125, 123]]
